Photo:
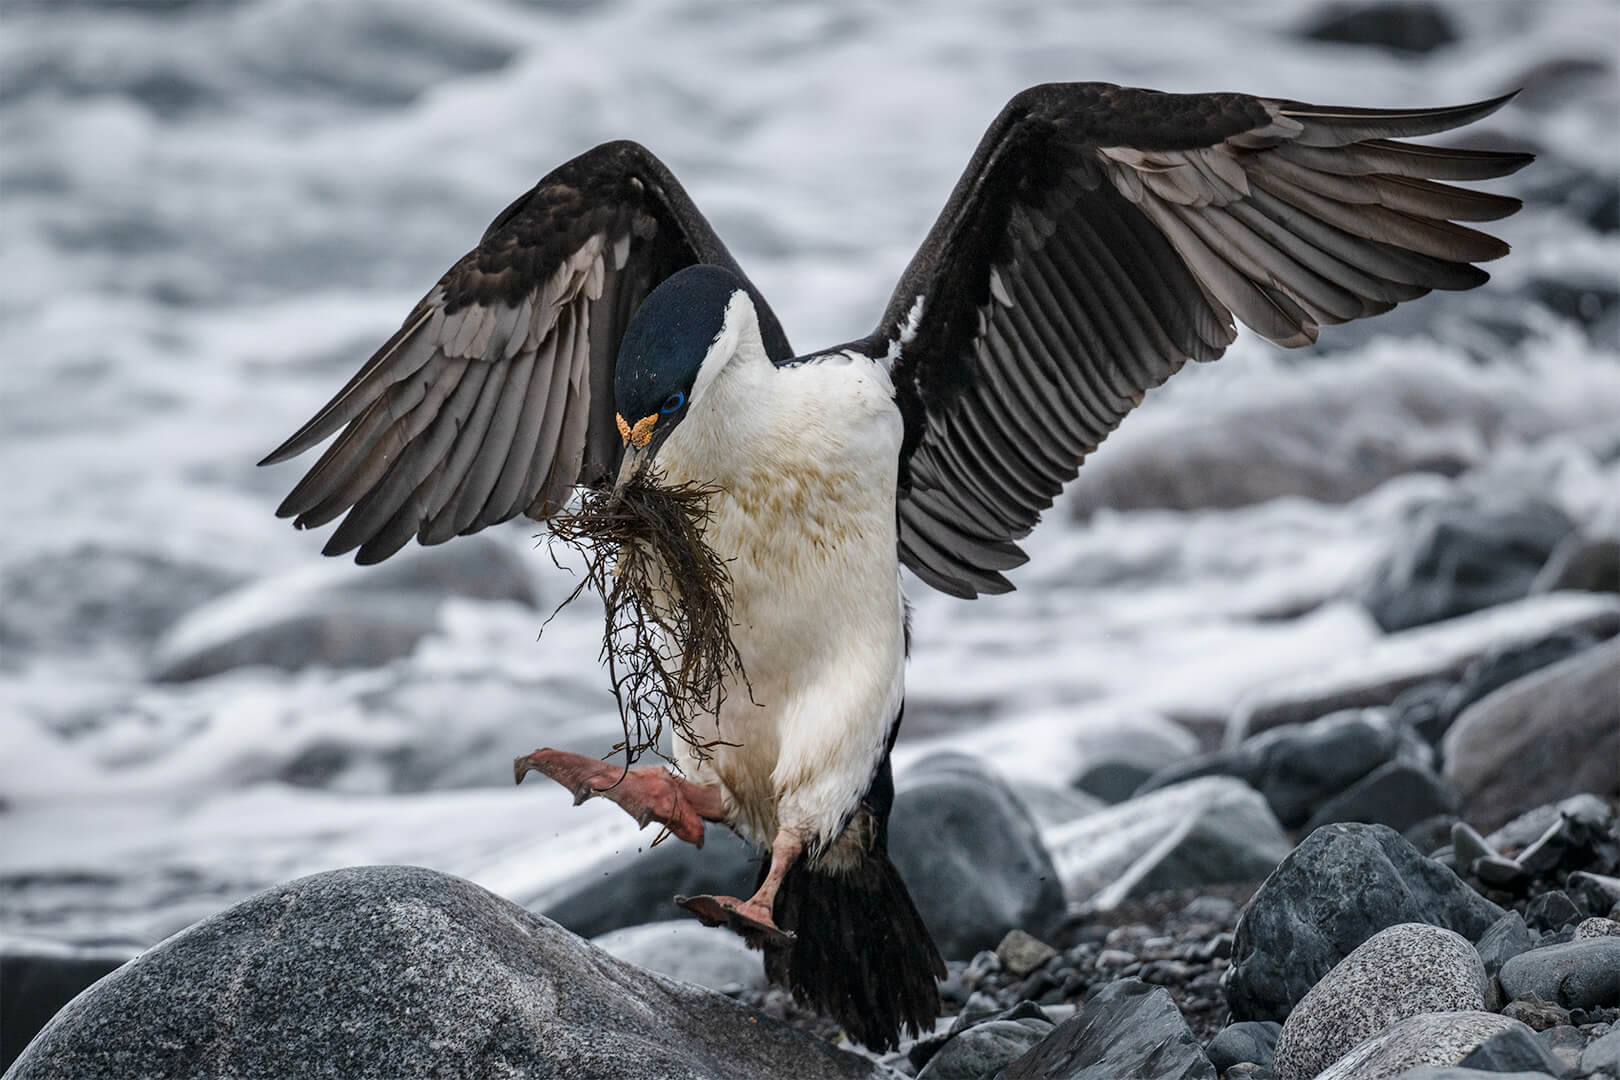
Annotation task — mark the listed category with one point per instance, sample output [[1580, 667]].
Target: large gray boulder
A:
[[971, 855], [1338, 888], [390, 971], [1540, 738], [1445, 1038]]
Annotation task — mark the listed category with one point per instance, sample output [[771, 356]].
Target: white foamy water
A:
[[211, 213]]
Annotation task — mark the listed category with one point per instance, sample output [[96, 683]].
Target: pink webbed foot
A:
[[751, 920], [649, 793]]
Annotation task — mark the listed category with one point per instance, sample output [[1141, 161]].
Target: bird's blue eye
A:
[[674, 402]]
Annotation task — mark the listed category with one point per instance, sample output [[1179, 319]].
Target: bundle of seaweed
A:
[[667, 637]]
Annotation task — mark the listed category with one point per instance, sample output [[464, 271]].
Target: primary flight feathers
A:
[[1100, 238]]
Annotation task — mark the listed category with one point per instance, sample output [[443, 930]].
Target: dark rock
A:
[[339, 616], [1513, 1049], [639, 887], [1397, 793], [37, 979], [1500, 872], [1551, 911], [1050, 805], [1299, 767], [401, 971], [1207, 831], [1129, 1031], [1397, 27], [1577, 974], [1341, 886], [1536, 1014], [1597, 892], [1399, 972], [971, 855], [1565, 1042], [1377, 674], [1507, 938], [1455, 559], [1247, 1040], [1580, 562], [1423, 709], [984, 1049], [1443, 1038], [1551, 734], [1112, 781]]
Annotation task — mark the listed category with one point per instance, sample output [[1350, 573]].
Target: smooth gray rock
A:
[[1129, 1031], [1202, 832], [687, 950], [1507, 938], [1425, 1039], [1401, 971], [1246, 1040], [1548, 735], [1398, 794], [1341, 886], [400, 971], [1603, 1053], [1455, 559], [1514, 1049], [338, 615], [1577, 974], [984, 1049], [971, 855]]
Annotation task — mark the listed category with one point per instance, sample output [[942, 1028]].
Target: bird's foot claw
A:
[[647, 794], [748, 919]]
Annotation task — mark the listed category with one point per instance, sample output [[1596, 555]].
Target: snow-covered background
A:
[[210, 213]]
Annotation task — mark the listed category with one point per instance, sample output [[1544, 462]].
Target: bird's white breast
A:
[[806, 460]]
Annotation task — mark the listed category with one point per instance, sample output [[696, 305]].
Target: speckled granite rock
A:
[[1338, 888], [1425, 1039], [1398, 972], [399, 971]]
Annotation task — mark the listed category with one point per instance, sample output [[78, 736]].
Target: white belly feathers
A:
[[806, 458]]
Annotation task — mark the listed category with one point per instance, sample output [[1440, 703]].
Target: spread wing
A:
[[1101, 237], [495, 397]]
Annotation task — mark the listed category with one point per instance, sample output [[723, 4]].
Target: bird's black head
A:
[[670, 336]]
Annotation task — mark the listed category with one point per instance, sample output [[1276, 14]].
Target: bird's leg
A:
[[753, 918], [649, 793]]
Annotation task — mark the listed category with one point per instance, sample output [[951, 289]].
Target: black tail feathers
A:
[[861, 953]]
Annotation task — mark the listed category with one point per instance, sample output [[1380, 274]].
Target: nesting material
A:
[[667, 636]]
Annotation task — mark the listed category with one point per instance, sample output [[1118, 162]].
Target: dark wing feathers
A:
[[1101, 237], [494, 398]]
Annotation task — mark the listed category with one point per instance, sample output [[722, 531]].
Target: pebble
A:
[[1402, 971], [1399, 794], [1513, 1049], [1538, 1015], [1597, 927], [1603, 1053], [1248, 1040], [1500, 872], [1598, 892], [1551, 912], [1468, 845], [1128, 1031], [1021, 953], [1578, 974], [985, 1049]]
